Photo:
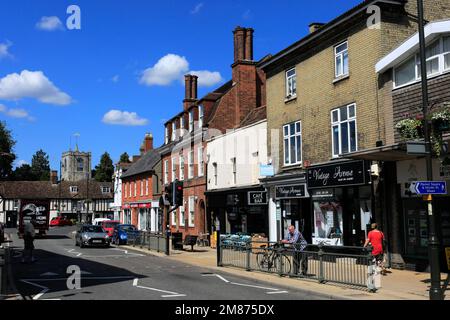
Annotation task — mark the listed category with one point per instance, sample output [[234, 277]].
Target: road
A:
[[118, 274]]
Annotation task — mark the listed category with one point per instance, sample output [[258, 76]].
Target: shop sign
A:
[[291, 192], [266, 170], [145, 205], [135, 205], [256, 198], [126, 206], [337, 175], [322, 193]]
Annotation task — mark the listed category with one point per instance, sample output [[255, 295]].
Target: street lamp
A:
[[433, 242]]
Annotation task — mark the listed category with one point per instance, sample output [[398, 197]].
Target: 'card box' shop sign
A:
[[256, 198], [337, 175]]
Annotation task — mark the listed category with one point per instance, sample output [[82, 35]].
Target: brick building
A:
[[186, 133], [325, 105], [140, 187]]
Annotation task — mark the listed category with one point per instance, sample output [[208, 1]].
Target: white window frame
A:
[[174, 218], [129, 193], [288, 137], [146, 186], [191, 211], [105, 189], [338, 123], [142, 188], [174, 169], [166, 134], [291, 88], [125, 189], [182, 213], [182, 165], [174, 131], [342, 72], [191, 171], [201, 163], [191, 120], [166, 171], [73, 189], [200, 116], [181, 126], [135, 189], [418, 77]]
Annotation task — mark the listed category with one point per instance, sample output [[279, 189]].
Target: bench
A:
[[190, 241]]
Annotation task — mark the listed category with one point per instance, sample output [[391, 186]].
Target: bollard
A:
[[219, 249], [321, 275], [280, 259], [248, 255]]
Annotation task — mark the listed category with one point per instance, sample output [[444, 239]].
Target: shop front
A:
[[239, 210], [415, 215], [342, 203]]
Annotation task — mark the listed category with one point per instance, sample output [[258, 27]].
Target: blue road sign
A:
[[429, 187]]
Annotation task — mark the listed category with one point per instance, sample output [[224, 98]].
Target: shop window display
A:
[[328, 223]]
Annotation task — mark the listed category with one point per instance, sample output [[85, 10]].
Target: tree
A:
[[105, 169], [24, 173], [124, 158], [40, 166], [7, 157]]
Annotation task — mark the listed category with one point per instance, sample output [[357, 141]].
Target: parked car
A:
[[60, 222], [90, 235], [109, 226], [99, 221], [123, 233]]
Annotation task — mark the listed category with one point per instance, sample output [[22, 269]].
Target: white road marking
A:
[[40, 294], [271, 290], [49, 274], [275, 292], [169, 294]]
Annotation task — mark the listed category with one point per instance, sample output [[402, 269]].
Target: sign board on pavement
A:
[[429, 187]]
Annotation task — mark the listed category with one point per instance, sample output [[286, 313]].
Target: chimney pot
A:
[[54, 177]]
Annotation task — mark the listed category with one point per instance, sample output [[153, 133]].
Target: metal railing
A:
[[149, 240], [353, 266]]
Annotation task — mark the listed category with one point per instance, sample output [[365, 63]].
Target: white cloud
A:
[[173, 67], [207, 78], [115, 79], [49, 24], [123, 118], [32, 84], [20, 163], [4, 50], [168, 69], [197, 8], [16, 113]]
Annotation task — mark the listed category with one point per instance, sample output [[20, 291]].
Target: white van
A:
[[98, 221]]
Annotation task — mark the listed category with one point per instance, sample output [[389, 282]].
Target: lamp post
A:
[[433, 242]]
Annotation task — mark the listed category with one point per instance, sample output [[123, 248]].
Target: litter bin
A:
[[177, 241]]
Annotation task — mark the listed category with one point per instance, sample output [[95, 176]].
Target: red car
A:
[[60, 222], [109, 226]]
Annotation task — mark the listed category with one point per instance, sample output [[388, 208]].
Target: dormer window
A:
[[106, 189], [174, 131], [73, 189], [181, 126], [191, 120], [166, 135], [291, 83], [200, 116]]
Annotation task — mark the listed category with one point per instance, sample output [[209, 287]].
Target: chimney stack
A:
[[148, 142], [243, 44], [313, 27], [191, 84], [54, 177]]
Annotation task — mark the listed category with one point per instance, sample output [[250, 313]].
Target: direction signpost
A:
[[429, 187]]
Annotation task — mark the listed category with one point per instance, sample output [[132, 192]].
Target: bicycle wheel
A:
[[262, 259], [285, 264]]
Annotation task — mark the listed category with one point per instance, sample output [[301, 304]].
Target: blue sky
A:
[[55, 82]]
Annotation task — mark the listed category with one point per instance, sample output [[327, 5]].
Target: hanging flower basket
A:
[[410, 129], [441, 120]]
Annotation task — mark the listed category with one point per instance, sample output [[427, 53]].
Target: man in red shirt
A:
[[375, 238]]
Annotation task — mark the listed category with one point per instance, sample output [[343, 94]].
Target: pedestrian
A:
[[376, 238], [28, 237], [296, 239]]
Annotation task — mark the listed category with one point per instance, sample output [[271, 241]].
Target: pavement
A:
[[66, 272], [396, 285]]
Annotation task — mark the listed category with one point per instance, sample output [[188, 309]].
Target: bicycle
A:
[[271, 258]]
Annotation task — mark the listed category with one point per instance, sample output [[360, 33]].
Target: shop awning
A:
[[395, 152]]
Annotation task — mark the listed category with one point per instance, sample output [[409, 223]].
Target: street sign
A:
[[428, 187], [416, 148]]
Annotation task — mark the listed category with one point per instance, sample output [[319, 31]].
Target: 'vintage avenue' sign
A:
[[290, 192], [336, 175]]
